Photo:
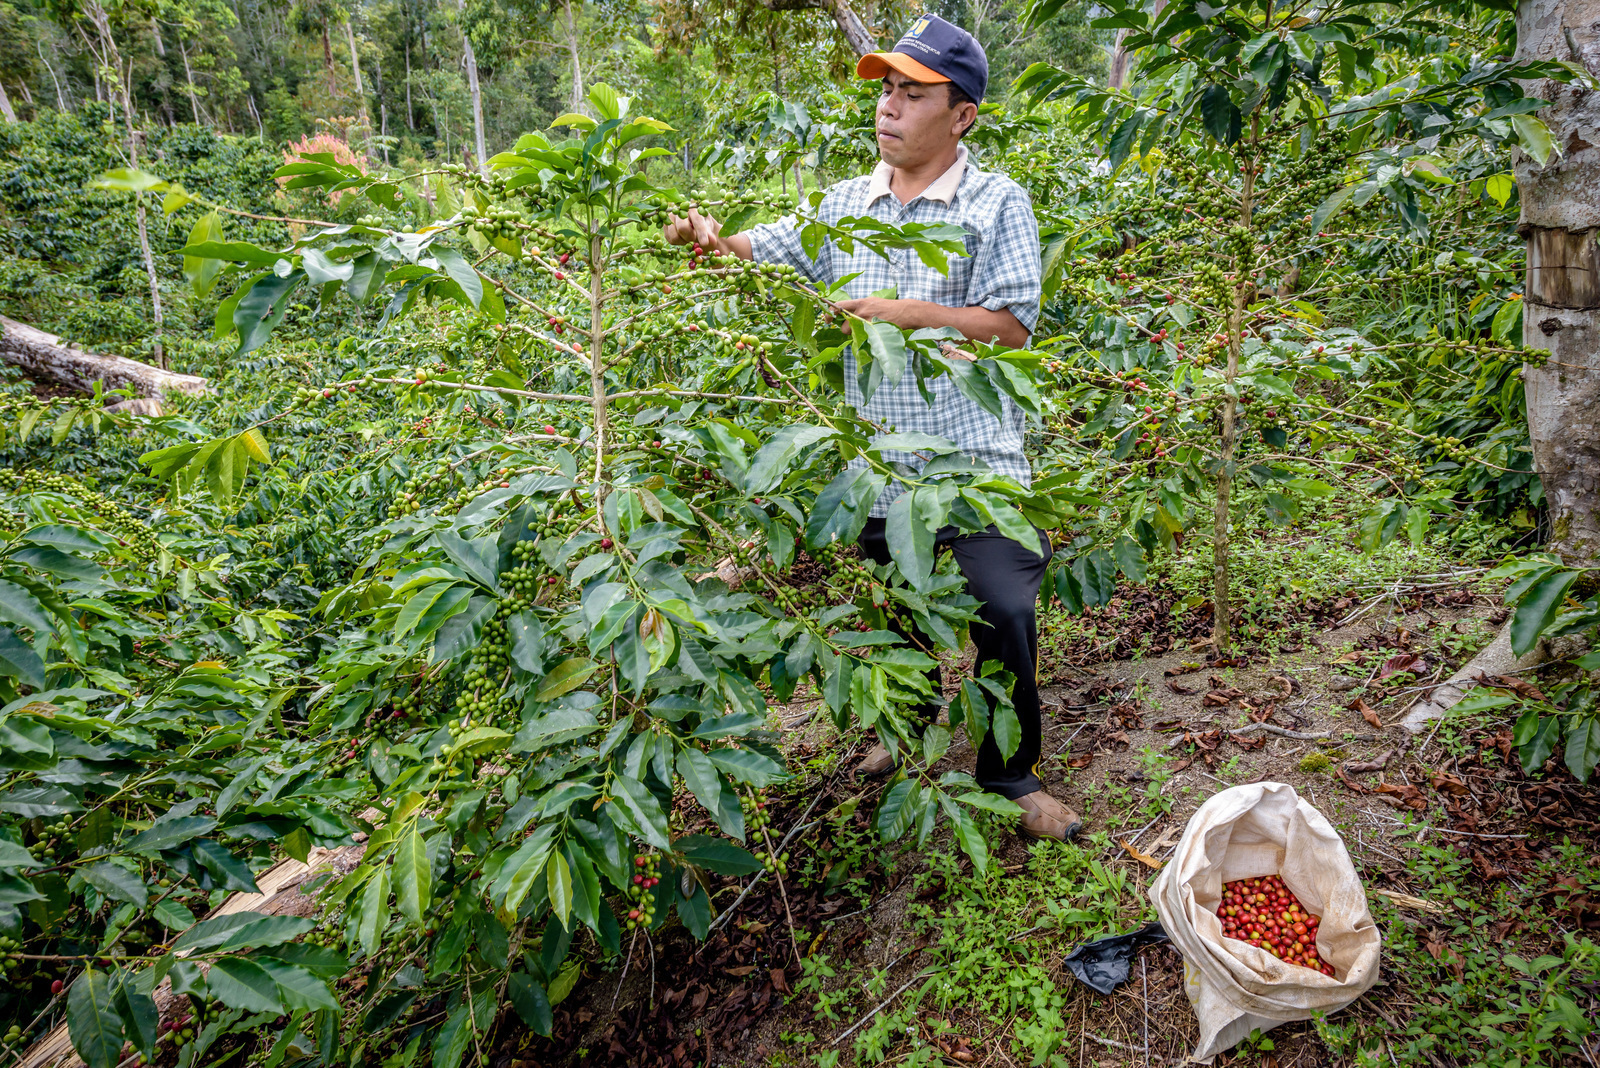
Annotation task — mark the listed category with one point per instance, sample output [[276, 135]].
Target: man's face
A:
[[916, 122]]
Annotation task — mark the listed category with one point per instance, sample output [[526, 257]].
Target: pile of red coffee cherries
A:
[[1266, 914]]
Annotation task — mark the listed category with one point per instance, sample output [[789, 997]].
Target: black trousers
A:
[[1006, 578]]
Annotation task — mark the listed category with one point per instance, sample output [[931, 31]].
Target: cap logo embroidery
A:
[[916, 30]]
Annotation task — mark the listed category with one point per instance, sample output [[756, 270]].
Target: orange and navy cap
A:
[[933, 51]]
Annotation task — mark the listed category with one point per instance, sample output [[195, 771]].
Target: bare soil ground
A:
[[1135, 745]]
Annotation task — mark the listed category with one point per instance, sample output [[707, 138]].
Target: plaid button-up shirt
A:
[[1001, 270]]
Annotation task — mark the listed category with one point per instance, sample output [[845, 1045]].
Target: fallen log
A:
[[280, 896], [43, 358]]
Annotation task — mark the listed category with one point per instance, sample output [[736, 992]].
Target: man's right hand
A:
[[695, 229], [703, 230]]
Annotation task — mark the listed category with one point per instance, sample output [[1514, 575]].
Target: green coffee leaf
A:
[[93, 1023]]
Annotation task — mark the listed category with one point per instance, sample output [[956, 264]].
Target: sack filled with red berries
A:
[[1263, 902]]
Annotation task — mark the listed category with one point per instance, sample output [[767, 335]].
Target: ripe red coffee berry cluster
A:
[[1266, 914], [646, 874]]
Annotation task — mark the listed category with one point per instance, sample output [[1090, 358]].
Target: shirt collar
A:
[[942, 189]]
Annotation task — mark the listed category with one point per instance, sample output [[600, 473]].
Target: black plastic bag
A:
[[1103, 965]]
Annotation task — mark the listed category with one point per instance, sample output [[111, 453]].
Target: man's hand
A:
[[703, 230]]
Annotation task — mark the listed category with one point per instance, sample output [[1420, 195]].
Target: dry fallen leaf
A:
[[1403, 662], [1354, 786], [1409, 796], [1366, 766], [1170, 838], [1360, 705], [1447, 783], [1520, 687], [1147, 861]]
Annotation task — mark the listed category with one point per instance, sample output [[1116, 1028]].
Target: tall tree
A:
[[355, 68], [470, 59], [94, 24]]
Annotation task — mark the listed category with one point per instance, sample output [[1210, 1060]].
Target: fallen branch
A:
[[43, 358], [1114, 1044], [1409, 901], [1282, 732], [280, 896]]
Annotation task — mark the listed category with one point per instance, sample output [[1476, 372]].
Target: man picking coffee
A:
[[933, 81]]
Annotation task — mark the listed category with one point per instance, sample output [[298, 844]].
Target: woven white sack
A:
[[1243, 833]]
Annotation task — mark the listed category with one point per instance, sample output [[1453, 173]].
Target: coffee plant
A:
[[1543, 596], [541, 695], [1197, 349]]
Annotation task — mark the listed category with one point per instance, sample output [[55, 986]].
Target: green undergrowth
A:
[[990, 962], [1279, 572], [1494, 982], [1319, 555], [1498, 982]]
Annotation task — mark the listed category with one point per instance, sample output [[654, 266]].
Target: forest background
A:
[[393, 79]]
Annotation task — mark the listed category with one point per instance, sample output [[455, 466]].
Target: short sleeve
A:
[[779, 242], [1007, 273]]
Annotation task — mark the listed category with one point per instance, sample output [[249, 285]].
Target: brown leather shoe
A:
[[1045, 817], [876, 764]]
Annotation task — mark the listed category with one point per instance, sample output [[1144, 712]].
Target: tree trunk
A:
[[411, 114], [471, 60], [43, 358], [155, 32], [61, 100], [355, 68], [1117, 69], [1221, 537], [576, 102], [327, 60], [144, 241], [1561, 312], [855, 31], [188, 77], [5, 105]]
